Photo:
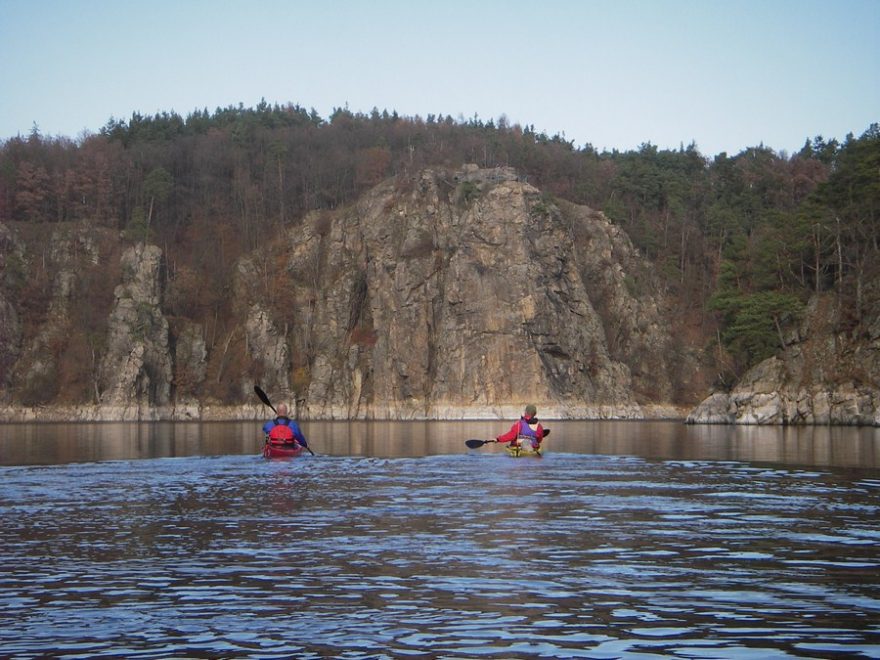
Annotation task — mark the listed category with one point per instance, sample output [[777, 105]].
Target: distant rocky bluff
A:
[[823, 376], [452, 294]]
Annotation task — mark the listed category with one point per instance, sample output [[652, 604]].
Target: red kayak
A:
[[285, 450]]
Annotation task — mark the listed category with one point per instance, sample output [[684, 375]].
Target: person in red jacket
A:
[[526, 429], [283, 430]]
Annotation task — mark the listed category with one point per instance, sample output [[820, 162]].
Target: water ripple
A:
[[446, 556]]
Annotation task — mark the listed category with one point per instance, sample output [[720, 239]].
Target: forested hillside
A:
[[740, 241]]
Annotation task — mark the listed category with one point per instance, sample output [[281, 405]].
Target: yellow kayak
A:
[[520, 451]]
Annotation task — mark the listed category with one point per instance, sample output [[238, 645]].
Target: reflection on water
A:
[[626, 540], [25, 444]]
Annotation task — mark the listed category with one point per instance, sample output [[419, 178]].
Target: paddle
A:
[[474, 443], [265, 399]]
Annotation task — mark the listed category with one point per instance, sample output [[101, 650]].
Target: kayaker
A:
[[526, 429], [284, 429]]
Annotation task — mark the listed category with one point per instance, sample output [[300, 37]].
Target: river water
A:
[[626, 540]]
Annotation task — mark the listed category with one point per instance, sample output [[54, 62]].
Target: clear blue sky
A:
[[726, 74]]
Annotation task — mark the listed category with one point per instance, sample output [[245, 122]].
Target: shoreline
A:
[[251, 412], [386, 413]]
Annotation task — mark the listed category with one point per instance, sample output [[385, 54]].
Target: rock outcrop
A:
[[268, 348], [190, 362], [37, 367], [10, 325], [824, 376], [464, 295], [136, 369], [449, 294]]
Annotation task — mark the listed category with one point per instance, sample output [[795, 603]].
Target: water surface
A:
[[821, 446], [627, 540]]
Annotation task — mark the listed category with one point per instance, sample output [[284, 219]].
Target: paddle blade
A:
[[263, 397], [474, 444]]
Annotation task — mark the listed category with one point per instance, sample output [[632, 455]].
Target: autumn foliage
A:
[[731, 235]]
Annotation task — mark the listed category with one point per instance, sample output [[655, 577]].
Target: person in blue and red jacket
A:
[[283, 430], [527, 429]]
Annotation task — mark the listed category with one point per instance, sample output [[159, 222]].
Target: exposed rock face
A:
[[268, 348], [10, 326], [136, 369], [266, 339], [454, 294], [37, 368], [824, 376], [190, 362], [465, 296], [10, 340]]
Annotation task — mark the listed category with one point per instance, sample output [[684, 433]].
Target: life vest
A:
[[526, 432], [281, 433]]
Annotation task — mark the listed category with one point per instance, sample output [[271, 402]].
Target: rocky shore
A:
[[450, 294], [823, 376], [215, 413]]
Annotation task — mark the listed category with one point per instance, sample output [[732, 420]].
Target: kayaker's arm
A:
[[298, 434], [510, 436]]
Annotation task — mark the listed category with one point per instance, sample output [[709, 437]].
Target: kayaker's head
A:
[[281, 410], [531, 411]]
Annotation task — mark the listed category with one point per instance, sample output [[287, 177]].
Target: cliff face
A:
[[465, 295], [33, 367], [10, 326], [136, 368], [452, 294], [824, 376]]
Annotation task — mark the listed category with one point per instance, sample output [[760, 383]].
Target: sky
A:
[[615, 74]]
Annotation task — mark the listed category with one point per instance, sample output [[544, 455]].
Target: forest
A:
[[741, 240]]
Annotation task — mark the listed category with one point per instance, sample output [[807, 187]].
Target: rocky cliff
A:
[[467, 293], [136, 367], [10, 325], [825, 375], [451, 294]]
